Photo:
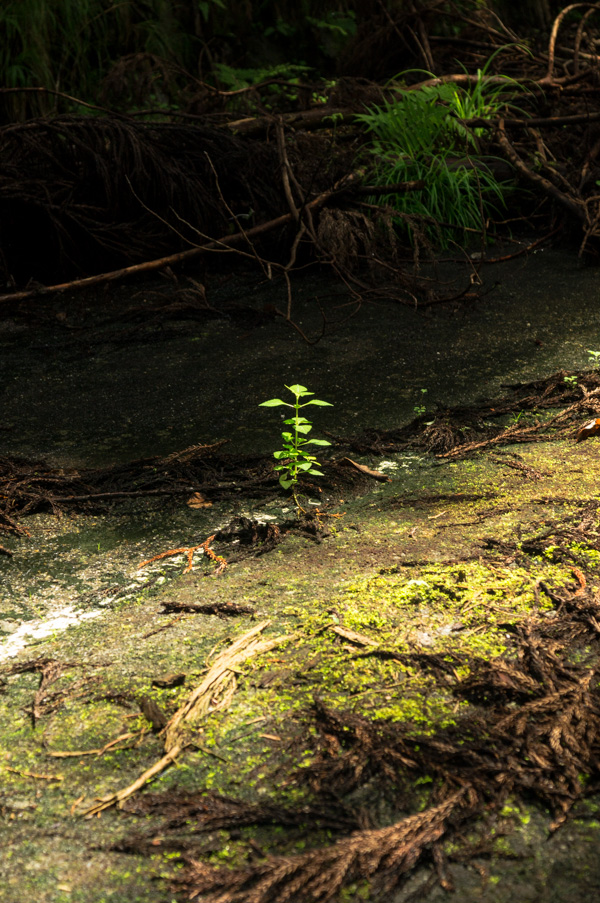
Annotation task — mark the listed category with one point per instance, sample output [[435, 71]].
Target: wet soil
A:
[[430, 563], [81, 386]]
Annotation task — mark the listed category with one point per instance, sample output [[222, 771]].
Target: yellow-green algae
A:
[[391, 573]]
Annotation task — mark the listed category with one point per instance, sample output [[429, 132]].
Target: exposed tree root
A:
[[534, 730], [445, 433], [213, 693]]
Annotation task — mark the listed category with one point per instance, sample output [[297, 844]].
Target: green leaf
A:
[[322, 404], [287, 437], [280, 454], [304, 427], [286, 483], [299, 390], [304, 465], [317, 473], [273, 403], [293, 421], [317, 442]]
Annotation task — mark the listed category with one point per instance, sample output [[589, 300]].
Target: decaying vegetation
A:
[[277, 172], [535, 731], [119, 194], [203, 474]]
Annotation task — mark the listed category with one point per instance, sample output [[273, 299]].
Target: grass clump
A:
[[421, 135]]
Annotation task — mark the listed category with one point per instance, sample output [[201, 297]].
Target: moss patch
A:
[[439, 566]]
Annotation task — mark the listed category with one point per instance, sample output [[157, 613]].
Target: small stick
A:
[[376, 474], [189, 551], [60, 754], [172, 259], [34, 774]]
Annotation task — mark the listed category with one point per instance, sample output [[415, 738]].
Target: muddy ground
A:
[[439, 607]]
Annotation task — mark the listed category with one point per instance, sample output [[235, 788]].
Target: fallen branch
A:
[[306, 120], [574, 206], [359, 638], [77, 753], [199, 704], [36, 775], [172, 259]]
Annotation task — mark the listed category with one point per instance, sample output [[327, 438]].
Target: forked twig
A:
[[199, 704]]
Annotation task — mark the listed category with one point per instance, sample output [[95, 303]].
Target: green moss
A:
[[415, 579]]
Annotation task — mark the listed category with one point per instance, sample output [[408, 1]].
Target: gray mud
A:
[[83, 389], [80, 388]]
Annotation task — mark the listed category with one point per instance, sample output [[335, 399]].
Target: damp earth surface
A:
[[429, 563]]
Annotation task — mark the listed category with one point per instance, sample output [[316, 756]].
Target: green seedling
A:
[[421, 408], [594, 358], [295, 459]]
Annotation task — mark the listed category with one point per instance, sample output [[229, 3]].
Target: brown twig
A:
[[285, 168], [554, 34], [376, 474], [77, 753], [197, 706], [52, 93], [579, 36], [179, 257], [36, 775], [187, 550], [574, 206]]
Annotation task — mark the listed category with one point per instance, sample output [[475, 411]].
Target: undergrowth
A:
[[421, 135]]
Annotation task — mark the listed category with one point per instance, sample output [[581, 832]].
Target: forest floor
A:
[[396, 695]]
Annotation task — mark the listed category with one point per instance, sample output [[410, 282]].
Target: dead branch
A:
[[307, 120], [376, 474], [573, 205], [174, 259], [69, 97], [199, 704], [554, 34]]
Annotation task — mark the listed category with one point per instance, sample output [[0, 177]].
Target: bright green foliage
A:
[[420, 135], [594, 358], [293, 455]]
